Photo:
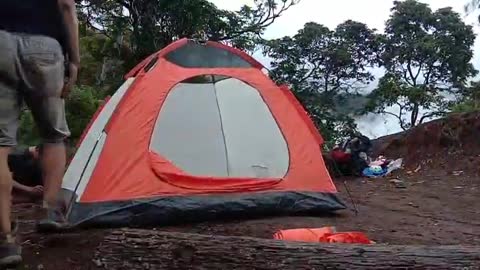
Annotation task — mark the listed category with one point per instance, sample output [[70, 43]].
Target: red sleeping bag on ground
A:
[[322, 235]]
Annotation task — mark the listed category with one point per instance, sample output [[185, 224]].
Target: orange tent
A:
[[197, 131]]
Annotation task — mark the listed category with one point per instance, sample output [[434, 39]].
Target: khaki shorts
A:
[[32, 70]]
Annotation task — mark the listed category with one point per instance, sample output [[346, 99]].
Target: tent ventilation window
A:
[[195, 55]]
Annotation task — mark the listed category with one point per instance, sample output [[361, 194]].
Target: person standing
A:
[[39, 61]]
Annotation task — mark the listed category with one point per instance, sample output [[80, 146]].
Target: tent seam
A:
[[221, 126]]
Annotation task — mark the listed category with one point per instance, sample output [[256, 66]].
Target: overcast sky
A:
[[333, 12]]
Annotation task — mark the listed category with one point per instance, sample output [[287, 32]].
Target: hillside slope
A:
[[448, 144]]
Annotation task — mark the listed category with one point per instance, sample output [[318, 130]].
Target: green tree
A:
[[426, 56], [27, 132], [470, 101], [322, 65], [101, 64], [81, 104], [117, 34], [145, 26]]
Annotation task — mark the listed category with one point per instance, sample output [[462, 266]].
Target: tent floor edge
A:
[[179, 210]]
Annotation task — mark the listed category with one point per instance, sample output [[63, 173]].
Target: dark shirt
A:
[[25, 169], [35, 17]]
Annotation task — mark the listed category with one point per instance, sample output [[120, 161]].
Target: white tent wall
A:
[[86, 157]]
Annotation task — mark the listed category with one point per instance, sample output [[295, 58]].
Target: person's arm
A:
[[69, 15], [21, 187]]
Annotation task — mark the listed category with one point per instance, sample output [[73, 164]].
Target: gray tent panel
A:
[[187, 131], [220, 128], [255, 145]]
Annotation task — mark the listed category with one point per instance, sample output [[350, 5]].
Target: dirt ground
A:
[[431, 210], [437, 202]]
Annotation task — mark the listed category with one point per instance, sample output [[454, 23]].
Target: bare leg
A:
[[53, 163], [6, 184], [10, 251]]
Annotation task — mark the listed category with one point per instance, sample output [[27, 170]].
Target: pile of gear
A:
[[352, 158], [382, 167]]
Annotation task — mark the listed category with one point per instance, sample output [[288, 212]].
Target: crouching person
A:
[[24, 164], [353, 155], [37, 38]]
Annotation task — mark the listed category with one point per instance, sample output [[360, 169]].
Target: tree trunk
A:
[[144, 249], [414, 116]]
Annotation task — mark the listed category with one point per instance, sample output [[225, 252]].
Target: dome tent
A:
[[197, 131]]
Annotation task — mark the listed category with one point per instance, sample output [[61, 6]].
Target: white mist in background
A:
[[375, 125]]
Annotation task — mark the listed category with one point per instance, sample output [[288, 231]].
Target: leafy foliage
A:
[[81, 104], [427, 58], [321, 65], [27, 133], [145, 26], [100, 64], [470, 101]]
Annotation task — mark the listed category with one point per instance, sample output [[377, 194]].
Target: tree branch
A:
[[262, 23], [309, 74], [409, 68], [414, 115], [400, 113], [420, 64], [101, 31], [400, 120], [405, 76], [429, 115]]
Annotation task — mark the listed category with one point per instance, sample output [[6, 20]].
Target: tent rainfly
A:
[[197, 131]]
